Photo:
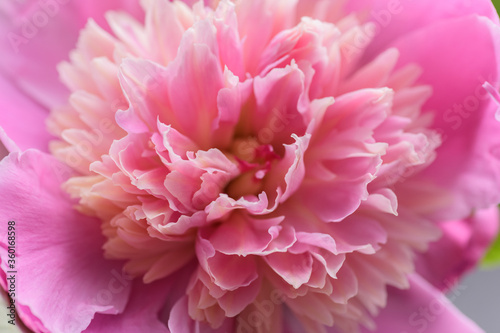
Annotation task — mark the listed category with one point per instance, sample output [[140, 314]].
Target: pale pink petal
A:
[[295, 269], [358, 233], [164, 29], [224, 204], [281, 106], [251, 236], [145, 84], [341, 162], [30, 26], [218, 265], [205, 298], [230, 101], [22, 119], [269, 17], [287, 175], [310, 43], [228, 38]]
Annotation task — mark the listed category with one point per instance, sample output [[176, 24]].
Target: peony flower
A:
[[248, 166]]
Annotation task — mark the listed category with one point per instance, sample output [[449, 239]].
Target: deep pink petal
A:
[[396, 19], [139, 315], [422, 308], [62, 275], [151, 316], [463, 244], [464, 113]]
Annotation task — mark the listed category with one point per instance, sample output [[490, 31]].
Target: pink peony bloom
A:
[[249, 166]]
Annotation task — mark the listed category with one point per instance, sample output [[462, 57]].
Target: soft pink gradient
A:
[[224, 156]]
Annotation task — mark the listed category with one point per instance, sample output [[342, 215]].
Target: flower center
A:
[[254, 161]]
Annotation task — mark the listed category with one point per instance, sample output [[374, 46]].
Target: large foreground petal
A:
[[396, 19], [464, 112], [139, 315], [61, 275], [37, 35], [422, 308], [463, 244]]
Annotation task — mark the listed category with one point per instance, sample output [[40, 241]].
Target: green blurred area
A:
[[492, 258], [497, 4]]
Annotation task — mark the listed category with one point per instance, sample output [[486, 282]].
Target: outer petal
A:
[[141, 313], [462, 245], [22, 119], [396, 19], [30, 26], [463, 111], [62, 277], [422, 308]]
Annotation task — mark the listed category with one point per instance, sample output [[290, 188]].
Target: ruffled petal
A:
[[342, 158], [281, 106], [251, 236]]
